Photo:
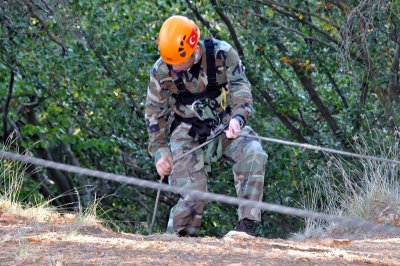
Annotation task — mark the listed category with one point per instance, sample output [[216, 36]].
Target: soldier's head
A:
[[177, 42]]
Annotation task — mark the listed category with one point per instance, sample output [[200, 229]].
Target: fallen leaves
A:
[[60, 243], [34, 239]]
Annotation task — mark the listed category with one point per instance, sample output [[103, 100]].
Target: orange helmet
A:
[[177, 39]]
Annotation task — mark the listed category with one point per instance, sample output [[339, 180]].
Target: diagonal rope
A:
[[194, 149], [322, 149], [345, 221], [299, 145]]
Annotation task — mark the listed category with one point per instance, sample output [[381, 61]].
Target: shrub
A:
[[357, 188]]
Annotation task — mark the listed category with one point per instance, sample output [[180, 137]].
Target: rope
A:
[[155, 207], [299, 145], [201, 195], [194, 149], [318, 148]]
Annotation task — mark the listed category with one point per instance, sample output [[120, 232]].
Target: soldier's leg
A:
[[249, 168], [188, 172]]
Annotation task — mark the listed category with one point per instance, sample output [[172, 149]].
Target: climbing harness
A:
[[214, 134], [213, 89], [208, 112]]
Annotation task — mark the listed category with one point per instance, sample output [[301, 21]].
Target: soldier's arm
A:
[[240, 98], [156, 107]]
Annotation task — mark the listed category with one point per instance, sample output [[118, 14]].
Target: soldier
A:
[[204, 83]]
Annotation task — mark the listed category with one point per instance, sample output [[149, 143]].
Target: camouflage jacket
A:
[[230, 70]]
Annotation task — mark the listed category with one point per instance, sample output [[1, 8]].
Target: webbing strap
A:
[[182, 90], [213, 90], [200, 128], [211, 70]]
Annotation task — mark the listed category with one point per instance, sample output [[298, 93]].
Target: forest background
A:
[[74, 74]]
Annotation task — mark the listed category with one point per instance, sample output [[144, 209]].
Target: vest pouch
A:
[[202, 129]]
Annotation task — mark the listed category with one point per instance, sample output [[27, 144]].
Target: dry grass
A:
[[12, 177], [38, 235], [39, 213], [46, 213], [360, 188]]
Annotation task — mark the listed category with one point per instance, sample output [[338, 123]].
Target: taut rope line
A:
[[203, 195]]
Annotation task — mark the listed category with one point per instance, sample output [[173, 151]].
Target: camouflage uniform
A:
[[247, 154]]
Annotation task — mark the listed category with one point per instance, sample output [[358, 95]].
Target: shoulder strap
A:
[[212, 91], [211, 70], [180, 85]]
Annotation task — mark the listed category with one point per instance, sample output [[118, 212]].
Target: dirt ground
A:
[[63, 242]]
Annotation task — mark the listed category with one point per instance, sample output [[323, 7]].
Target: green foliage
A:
[[81, 73]]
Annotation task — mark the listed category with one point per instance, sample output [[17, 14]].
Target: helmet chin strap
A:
[[197, 54], [196, 59]]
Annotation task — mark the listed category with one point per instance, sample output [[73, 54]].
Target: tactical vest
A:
[[200, 128], [213, 90]]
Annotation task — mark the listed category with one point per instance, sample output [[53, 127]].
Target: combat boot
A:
[[189, 232], [247, 226]]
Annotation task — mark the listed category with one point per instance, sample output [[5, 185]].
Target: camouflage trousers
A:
[[249, 161]]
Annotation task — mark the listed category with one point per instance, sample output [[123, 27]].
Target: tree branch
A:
[[83, 180], [307, 127], [231, 29], [339, 4], [307, 83], [6, 107], [273, 5], [334, 84], [303, 21], [295, 131], [206, 23], [394, 88], [299, 33], [51, 35], [62, 180]]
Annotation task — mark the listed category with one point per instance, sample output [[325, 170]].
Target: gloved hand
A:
[[164, 166], [233, 129]]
